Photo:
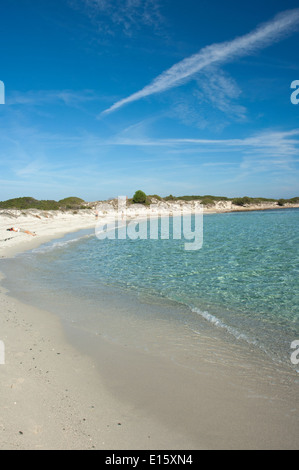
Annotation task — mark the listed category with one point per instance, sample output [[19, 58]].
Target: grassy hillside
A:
[[238, 201], [75, 203], [31, 203]]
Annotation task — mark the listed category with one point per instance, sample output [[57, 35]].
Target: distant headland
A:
[[209, 202]]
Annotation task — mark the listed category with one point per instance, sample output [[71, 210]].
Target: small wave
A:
[[220, 324], [59, 244], [239, 336]]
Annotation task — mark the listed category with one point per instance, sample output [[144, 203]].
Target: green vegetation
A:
[[282, 202], [139, 197], [71, 203], [154, 196], [206, 200], [22, 203], [29, 203], [209, 200], [75, 203], [170, 198], [245, 201], [241, 201]]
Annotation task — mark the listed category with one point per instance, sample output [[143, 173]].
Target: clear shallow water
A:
[[244, 281]]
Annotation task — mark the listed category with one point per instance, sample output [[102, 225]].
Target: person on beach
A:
[[15, 229]]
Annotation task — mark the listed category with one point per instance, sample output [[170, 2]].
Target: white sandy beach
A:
[[53, 396], [46, 226]]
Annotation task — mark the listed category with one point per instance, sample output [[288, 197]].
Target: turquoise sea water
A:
[[244, 280]]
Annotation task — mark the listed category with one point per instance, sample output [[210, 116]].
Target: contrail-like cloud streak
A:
[[263, 36]]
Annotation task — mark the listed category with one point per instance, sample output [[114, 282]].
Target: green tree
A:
[[139, 197]]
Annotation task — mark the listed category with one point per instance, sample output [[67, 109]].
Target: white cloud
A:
[[267, 150], [221, 90], [263, 36], [272, 142], [39, 97], [124, 14]]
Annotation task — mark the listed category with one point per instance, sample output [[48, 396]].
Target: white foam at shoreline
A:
[[215, 321], [234, 332], [59, 244]]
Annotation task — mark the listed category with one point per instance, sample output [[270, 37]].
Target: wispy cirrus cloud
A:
[[271, 153], [40, 97], [263, 36], [222, 91], [272, 142], [125, 15], [213, 102], [28, 161], [268, 149]]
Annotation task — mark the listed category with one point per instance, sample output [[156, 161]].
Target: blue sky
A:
[[104, 97]]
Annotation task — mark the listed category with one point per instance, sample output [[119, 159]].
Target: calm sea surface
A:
[[244, 282]]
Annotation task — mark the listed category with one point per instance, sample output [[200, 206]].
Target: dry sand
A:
[[46, 226], [54, 396]]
